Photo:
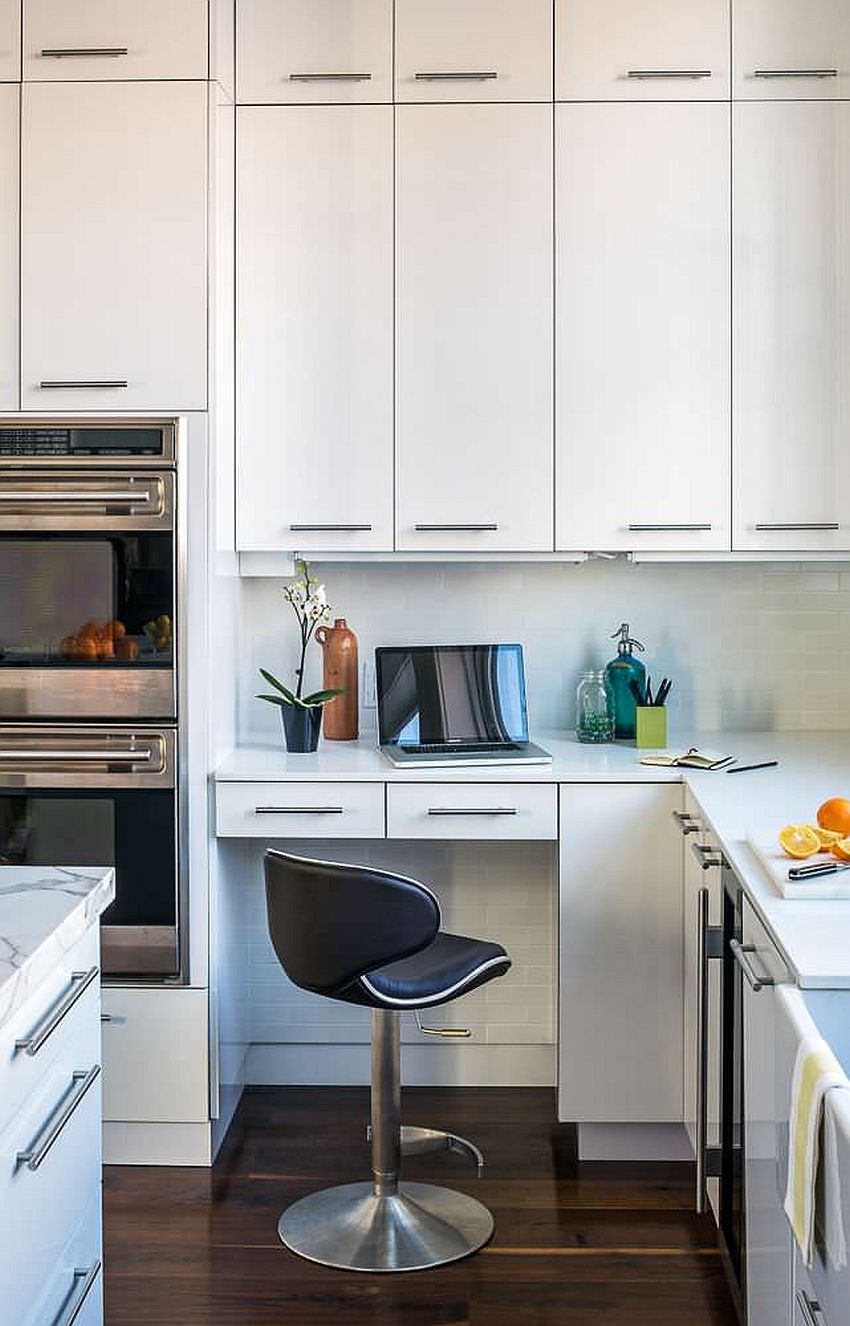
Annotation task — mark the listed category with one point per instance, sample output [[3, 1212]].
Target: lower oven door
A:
[[102, 797]]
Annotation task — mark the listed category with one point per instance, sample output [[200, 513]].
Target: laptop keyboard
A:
[[471, 748]]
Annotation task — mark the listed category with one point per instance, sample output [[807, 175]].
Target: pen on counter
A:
[[747, 768]]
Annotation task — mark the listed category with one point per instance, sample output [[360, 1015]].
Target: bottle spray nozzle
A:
[[625, 643]]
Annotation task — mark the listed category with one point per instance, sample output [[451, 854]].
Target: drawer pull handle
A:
[[811, 525], [472, 810], [459, 76], [329, 78], [741, 953], [95, 384], [489, 527], [795, 73], [810, 1309], [686, 822], [83, 52], [52, 1130], [299, 810], [643, 74], [707, 856], [330, 529], [670, 529], [71, 1308], [80, 982]]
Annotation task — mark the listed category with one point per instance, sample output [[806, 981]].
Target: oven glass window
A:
[[92, 601]]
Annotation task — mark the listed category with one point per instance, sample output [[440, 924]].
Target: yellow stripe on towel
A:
[[818, 1063]]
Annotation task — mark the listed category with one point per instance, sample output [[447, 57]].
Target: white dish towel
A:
[[816, 1072]]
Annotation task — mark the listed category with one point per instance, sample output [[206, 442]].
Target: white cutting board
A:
[[777, 865]]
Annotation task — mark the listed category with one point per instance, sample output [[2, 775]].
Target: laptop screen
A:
[[451, 695]]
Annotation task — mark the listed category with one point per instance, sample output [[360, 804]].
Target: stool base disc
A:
[[420, 1226]]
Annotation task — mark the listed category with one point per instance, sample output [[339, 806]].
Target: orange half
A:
[[799, 841], [841, 849]]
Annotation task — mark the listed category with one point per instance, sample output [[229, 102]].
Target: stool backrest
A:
[[330, 923]]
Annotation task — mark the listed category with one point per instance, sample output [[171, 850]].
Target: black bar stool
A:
[[370, 937]]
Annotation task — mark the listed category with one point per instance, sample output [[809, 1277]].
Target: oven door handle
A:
[[137, 498], [104, 756]]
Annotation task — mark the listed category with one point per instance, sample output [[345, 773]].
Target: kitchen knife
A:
[[821, 868]]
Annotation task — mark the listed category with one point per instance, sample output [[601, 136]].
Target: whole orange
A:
[[835, 814]]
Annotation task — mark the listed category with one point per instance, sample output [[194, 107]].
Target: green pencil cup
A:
[[651, 727]]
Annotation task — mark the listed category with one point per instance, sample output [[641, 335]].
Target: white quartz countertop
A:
[[44, 910], [813, 935]]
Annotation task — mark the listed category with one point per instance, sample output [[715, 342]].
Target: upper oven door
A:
[[87, 595]]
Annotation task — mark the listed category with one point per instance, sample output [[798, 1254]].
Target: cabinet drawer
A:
[[300, 810], [314, 51], [472, 811], [74, 1288], [112, 40], [43, 1198], [155, 1056], [473, 50], [63, 1006], [10, 41]]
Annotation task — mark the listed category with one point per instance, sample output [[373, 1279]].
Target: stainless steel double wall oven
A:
[[89, 632]]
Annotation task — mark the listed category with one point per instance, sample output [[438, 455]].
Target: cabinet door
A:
[[114, 39], [114, 246], [474, 328], [10, 99], [10, 40], [791, 49], [315, 339], [643, 354], [615, 50], [314, 50], [473, 50], [620, 1038], [791, 326], [768, 1233]]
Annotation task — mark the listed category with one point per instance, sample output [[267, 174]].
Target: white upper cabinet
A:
[[643, 327], [10, 40], [314, 50], [473, 50], [474, 328], [658, 50], [315, 319], [107, 40], [787, 49], [791, 329], [9, 221], [114, 251]]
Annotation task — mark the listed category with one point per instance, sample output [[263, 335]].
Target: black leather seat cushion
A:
[[447, 968]]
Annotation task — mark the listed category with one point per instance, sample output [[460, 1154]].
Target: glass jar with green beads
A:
[[594, 708]]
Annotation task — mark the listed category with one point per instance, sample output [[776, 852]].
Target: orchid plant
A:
[[309, 602]]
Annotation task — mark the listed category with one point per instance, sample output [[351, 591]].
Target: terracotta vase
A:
[[339, 647]]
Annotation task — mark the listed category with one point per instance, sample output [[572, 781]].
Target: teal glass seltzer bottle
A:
[[623, 669]]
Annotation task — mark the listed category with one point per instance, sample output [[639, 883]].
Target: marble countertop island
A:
[[43, 912]]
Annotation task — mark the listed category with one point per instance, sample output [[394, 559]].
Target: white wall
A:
[[761, 646]]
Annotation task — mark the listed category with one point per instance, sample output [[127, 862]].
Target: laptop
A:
[[453, 706]]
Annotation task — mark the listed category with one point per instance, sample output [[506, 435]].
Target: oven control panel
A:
[[150, 441]]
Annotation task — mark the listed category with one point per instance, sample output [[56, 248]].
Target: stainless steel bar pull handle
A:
[[686, 822], [330, 529], [80, 982], [692, 529], [769, 526], [795, 73], [108, 755], [641, 74], [299, 810], [91, 384], [472, 810], [741, 953], [456, 76], [484, 528], [83, 52], [37, 1152], [810, 1309], [71, 1308], [57, 496], [329, 78], [701, 1128], [707, 856]]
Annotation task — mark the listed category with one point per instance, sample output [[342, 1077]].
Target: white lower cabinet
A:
[[155, 1055], [10, 40], [620, 1034], [769, 1242], [10, 101], [474, 328], [642, 327]]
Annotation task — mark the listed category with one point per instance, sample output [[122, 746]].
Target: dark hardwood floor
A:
[[574, 1244]]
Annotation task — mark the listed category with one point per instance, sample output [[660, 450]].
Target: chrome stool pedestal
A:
[[386, 1225]]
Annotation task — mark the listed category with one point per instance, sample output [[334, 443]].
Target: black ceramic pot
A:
[[301, 727]]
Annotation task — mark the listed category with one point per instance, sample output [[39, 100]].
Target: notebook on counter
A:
[[693, 758], [450, 706]]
